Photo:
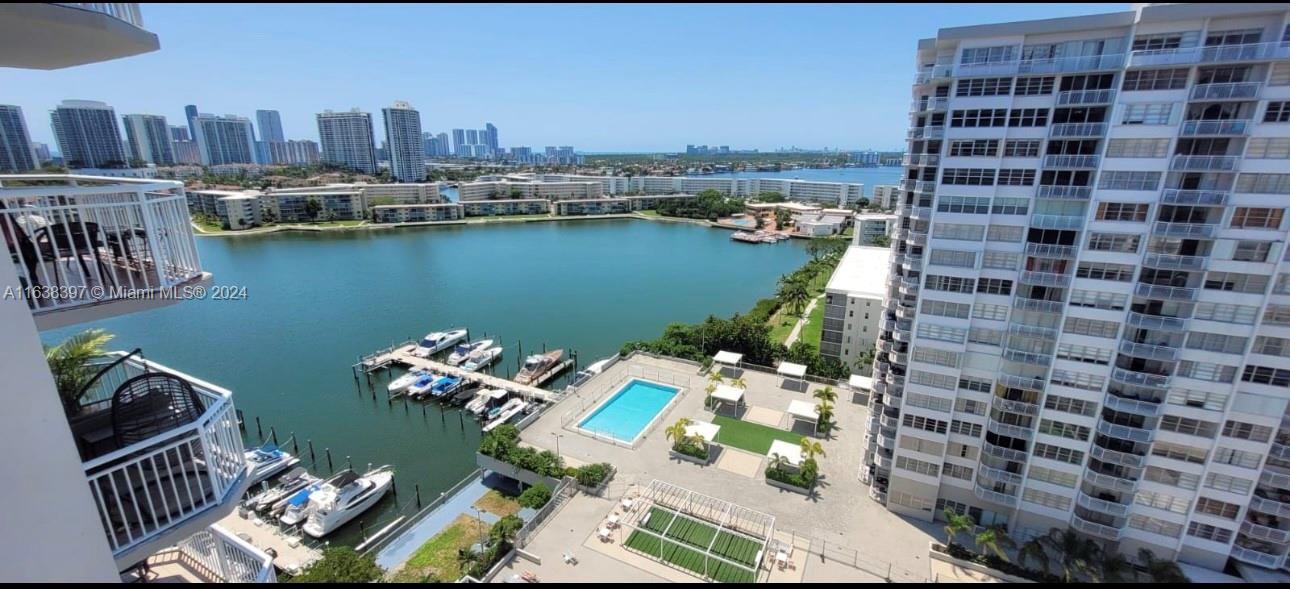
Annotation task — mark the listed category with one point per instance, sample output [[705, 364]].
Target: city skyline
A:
[[635, 93]]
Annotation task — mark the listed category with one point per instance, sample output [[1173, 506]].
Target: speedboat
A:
[[537, 365], [444, 385], [463, 352], [402, 383], [288, 484], [482, 358], [482, 402], [295, 508], [438, 341], [267, 461], [596, 368], [422, 385], [333, 505], [509, 410]]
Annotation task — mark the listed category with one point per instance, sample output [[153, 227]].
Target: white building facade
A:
[[347, 140], [403, 140]]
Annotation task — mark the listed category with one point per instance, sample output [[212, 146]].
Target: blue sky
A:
[[600, 78]]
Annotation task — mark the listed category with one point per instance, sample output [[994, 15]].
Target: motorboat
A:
[[463, 352], [402, 383], [511, 409], [445, 385], [267, 461], [482, 358], [537, 365], [464, 393], [288, 484], [596, 368], [334, 505], [422, 385], [485, 400], [295, 508], [438, 341]]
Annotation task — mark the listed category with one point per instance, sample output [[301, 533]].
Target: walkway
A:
[[801, 322]]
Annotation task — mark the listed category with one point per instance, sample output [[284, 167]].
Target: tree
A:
[[503, 532], [341, 565], [676, 432], [711, 388], [715, 377], [793, 293], [739, 383], [881, 241], [1076, 554], [1113, 567], [825, 411], [535, 497], [777, 462], [826, 394], [70, 363], [1034, 550], [1161, 571], [810, 448], [956, 524], [312, 207], [782, 217], [994, 540]]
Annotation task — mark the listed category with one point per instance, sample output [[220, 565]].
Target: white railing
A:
[[1064, 192], [1094, 528], [1205, 162], [1148, 351], [1057, 221], [1070, 161], [1214, 127], [1045, 278], [125, 11], [1185, 229], [1174, 261], [1173, 293], [929, 104], [1263, 532], [1188, 55], [229, 558], [1124, 432], [1077, 130], [992, 495], [1134, 406], [1038, 305], [1226, 91], [149, 487], [1194, 197], [1117, 457], [1042, 66], [1072, 97], [920, 159], [1108, 481], [1269, 506], [1101, 505], [80, 240], [1155, 321], [1255, 557]]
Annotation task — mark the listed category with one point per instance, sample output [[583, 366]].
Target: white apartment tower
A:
[[1088, 322], [404, 143], [347, 140], [148, 139], [229, 139], [17, 153], [87, 134]]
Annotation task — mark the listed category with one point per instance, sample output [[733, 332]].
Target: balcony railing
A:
[[930, 104], [1125, 432], [1080, 162], [1000, 475], [1038, 305], [1185, 229], [1149, 352], [1203, 127], [1117, 457], [1205, 162], [1027, 357], [1094, 528], [1045, 278], [1262, 532], [1012, 431], [1269, 506], [1078, 63], [1156, 322], [1057, 221], [1273, 478], [1110, 482], [992, 495], [927, 132], [1169, 293], [147, 488], [921, 159], [123, 11], [1020, 407], [1226, 91], [229, 558], [1020, 382], [1210, 54], [1004, 453], [1076, 97], [1254, 557], [1101, 505], [1050, 250], [77, 241], [1064, 192], [1077, 130], [1194, 197], [1175, 262], [1139, 378], [1134, 406]]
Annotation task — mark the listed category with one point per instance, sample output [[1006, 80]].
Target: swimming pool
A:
[[630, 411]]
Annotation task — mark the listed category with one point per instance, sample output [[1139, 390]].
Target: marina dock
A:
[[402, 356], [293, 553]]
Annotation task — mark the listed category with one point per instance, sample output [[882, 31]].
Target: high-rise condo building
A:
[[1088, 321], [229, 139], [179, 133], [490, 137], [472, 136], [347, 140], [190, 113], [403, 143], [42, 152], [17, 152], [458, 141], [269, 122], [148, 139], [87, 134]]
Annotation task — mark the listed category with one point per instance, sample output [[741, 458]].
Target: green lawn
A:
[[649, 213], [753, 437], [438, 556], [814, 325], [691, 541], [338, 223]]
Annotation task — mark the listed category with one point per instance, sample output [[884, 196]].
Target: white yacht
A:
[[438, 341], [334, 505], [463, 352], [509, 410], [484, 400], [288, 484], [401, 383], [267, 461], [482, 358]]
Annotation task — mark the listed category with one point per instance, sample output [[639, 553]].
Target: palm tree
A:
[[826, 394], [777, 462], [739, 383], [810, 448], [1114, 568], [825, 411], [711, 388], [715, 377], [956, 524], [1161, 571], [676, 432], [69, 362], [1076, 553], [994, 540], [1034, 550]]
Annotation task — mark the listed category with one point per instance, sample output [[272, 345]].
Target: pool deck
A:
[[599, 408], [858, 538]]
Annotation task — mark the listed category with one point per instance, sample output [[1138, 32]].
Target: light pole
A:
[[557, 443], [479, 517]]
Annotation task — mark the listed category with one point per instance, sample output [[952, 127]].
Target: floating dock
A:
[[402, 356]]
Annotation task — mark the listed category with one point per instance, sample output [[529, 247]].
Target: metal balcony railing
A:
[[1094, 528], [1194, 197], [1227, 91], [1156, 322], [1254, 557], [1175, 262], [1205, 162], [1101, 505], [1169, 293], [1139, 378], [1078, 97], [1125, 432], [1064, 192], [147, 488], [1110, 482], [80, 240], [1004, 453], [1274, 478], [229, 558], [999, 475], [1148, 351], [1079, 162], [1021, 382], [921, 159], [1078, 63], [1038, 305], [1262, 532], [1134, 406], [1021, 407], [1077, 130], [993, 496], [1269, 506], [1203, 127], [1057, 221], [930, 105], [927, 132], [1027, 357], [1185, 229], [1210, 54], [1012, 431], [1050, 250], [1045, 278], [1117, 457]]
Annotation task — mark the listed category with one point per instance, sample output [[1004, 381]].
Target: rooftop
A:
[[863, 271]]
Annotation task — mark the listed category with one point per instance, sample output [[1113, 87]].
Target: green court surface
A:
[[691, 539]]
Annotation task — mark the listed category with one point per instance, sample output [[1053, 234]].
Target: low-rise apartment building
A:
[[417, 213], [593, 206], [651, 202], [518, 206], [853, 301], [874, 229], [501, 189], [335, 203], [232, 208]]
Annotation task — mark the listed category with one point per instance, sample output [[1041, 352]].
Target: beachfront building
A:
[[853, 301], [68, 481], [417, 213], [885, 196], [1086, 323], [343, 202], [650, 203], [403, 142], [874, 229], [827, 193], [519, 206], [347, 140], [592, 206], [231, 208], [516, 187]]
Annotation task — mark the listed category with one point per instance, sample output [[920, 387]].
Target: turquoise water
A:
[[625, 415], [317, 301]]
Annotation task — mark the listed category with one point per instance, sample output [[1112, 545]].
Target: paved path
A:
[[801, 322]]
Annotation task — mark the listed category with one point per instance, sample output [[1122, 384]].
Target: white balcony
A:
[[1101, 505], [1171, 293], [1202, 230], [993, 496], [1255, 557], [1211, 54], [1080, 162], [87, 248], [213, 555], [1227, 91], [1115, 457], [1175, 262], [1064, 192], [1076, 97], [157, 486], [1125, 432], [1269, 506], [1221, 163], [1078, 63], [1215, 128], [1194, 197], [49, 36], [1077, 130], [1262, 532], [1094, 528], [1057, 221]]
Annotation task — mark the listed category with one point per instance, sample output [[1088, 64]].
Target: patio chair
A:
[[151, 404], [73, 240]]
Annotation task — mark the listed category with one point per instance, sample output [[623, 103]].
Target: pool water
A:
[[626, 414]]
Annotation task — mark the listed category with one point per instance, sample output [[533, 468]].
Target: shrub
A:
[[791, 478], [341, 565], [693, 450], [535, 497], [592, 475]]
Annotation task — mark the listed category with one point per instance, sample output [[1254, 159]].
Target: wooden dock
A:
[[402, 356], [293, 554]]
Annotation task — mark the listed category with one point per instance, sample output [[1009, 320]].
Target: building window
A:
[[1036, 86], [1051, 500], [956, 471], [1147, 113], [1016, 177], [996, 286], [1268, 147], [1256, 218], [983, 87], [974, 148], [1122, 211], [949, 283], [1056, 477], [954, 258], [1217, 508], [923, 423], [1172, 79], [985, 117], [1123, 180], [958, 231], [1069, 404], [1028, 117], [1021, 148], [1005, 233], [1091, 327], [1277, 112], [968, 176], [972, 205], [1105, 271], [1236, 282], [918, 466], [1063, 430], [1247, 431], [945, 309], [965, 428], [1173, 478], [1000, 260], [1059, 453], [1208, 532], [983, 55], [1152, 148]]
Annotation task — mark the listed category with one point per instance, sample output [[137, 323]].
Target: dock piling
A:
[[349, 464], [295, 446], [418, 490], [330, 468], [273, 433], [259, 432], [312, 457]]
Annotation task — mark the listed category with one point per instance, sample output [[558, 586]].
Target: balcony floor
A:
[[172, 566]]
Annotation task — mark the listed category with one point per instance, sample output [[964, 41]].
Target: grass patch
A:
[[814, 326], [496, 503], [691, 539], [649, 213], [781, 325], [438, 556], [337, 223], [753, 437]]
